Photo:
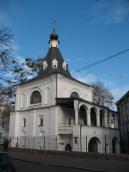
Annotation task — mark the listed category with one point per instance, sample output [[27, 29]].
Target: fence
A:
[[102, 144]]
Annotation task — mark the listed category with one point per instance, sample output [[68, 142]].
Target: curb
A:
[[60, 165]]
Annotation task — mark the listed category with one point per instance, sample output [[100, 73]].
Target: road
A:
[[31, 167]]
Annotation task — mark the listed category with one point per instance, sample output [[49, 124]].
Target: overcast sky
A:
[[89, 30]]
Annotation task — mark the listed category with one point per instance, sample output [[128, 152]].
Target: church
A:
[[54, 111]]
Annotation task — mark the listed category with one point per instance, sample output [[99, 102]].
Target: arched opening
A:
[[115, 145], [112, 121], [82, 115], [68, 148], [35, 97], [108, 120], [74, 95], [93, 117], [93, 144], [102, 118]]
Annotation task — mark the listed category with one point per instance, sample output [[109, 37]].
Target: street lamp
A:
[[80, 138]]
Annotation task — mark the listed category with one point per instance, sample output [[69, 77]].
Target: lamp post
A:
[[80, 138]]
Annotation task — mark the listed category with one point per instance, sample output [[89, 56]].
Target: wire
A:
[[103, 60]]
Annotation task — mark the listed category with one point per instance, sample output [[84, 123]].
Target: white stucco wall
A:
[[66, 86], [55, 118], [46, 87], [89, 132]]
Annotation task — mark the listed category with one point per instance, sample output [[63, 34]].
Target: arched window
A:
[[93, 117], [45, 65], [74, 95], [102, 118], [54, 63], [35, 97], [83, 115]]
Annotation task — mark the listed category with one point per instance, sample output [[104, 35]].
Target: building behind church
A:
[[4, 121], [54, 111], [123, 111]]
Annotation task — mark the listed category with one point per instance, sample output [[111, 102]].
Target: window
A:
[[54, 63], [74, 95], [76, 140], [45, 65], [41, 122], [24, 122], [69, 121], [35, 97]]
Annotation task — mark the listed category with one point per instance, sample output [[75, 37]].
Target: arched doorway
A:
[[93, 144], [93, 117], [82, 115], [115, 145], [102, 118], [68, 148]]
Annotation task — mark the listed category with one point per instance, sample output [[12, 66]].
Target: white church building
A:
[[54, 111]]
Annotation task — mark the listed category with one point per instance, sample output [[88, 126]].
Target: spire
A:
[[54, 26], [54, 61], [53, 41]]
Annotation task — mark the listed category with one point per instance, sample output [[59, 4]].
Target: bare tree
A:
[[6, 94], [102, 95], [5, 46]]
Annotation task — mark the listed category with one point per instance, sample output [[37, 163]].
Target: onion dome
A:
[[54, 35]]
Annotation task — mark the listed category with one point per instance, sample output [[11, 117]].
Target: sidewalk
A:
[[97, 165]]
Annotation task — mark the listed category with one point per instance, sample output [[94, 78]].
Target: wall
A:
[[66, 86], [89, 132], [46, 87]]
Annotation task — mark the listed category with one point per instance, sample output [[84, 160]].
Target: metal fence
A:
[[102, 144]]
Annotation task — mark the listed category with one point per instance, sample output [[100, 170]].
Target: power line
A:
[[103, 60]]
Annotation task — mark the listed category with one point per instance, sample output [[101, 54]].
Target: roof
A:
[[41, 77], [61, 68], [81, 82], [54, 53], [123, 98], [69, 102]]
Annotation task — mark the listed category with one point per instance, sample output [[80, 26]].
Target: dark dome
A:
[[54, 36]]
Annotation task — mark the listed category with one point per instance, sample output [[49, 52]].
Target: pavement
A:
[[93, 165]]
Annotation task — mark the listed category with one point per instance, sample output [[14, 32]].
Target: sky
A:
[[89, 30]]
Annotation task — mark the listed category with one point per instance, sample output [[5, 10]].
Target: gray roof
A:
[[123, 98], [54, 53], [69, 102]]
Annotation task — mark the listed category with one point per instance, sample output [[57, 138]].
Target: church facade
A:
[[54, 111]]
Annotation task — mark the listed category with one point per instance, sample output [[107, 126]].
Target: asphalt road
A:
[[31, 167]]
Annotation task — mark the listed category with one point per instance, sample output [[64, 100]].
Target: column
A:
[[76, 111], [88, 117], [105, 119], [98, 117]]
